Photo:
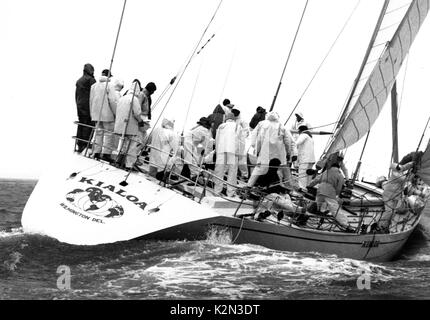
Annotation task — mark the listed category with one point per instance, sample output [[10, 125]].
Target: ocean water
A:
[[33, 267]]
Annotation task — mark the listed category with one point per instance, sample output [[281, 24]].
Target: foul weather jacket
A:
[[122, 121], [102, 109], [82, 93]]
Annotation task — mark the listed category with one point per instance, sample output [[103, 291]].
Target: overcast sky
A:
[[45, 44]]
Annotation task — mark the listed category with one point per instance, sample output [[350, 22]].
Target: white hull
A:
[[91, 208], [49, 212]]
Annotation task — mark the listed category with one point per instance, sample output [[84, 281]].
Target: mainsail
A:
[[373, 93]]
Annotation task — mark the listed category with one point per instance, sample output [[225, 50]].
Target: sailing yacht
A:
[[85, 201]]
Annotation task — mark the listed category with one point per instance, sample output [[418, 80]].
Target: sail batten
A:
[[370, 97]]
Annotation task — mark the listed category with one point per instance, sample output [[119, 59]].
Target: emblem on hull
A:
[[93, 200]]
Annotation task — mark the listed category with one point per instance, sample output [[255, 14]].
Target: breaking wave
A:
[[11, 232]]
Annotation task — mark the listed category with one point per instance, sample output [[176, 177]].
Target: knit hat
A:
[[106, 72], [261, 110], [151, 87], [235, 112], [303, 126]]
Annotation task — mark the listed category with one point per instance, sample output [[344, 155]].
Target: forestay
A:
[[373, 89]]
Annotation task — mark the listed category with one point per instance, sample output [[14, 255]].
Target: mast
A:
[[394, 119]]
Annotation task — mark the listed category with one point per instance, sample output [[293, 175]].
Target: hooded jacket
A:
[[305, 148], [122, 120], [242, 133], [83, 88], [270, 140], [199, 135], [102, 109], [164, 141], [227, 140], [115, 94]]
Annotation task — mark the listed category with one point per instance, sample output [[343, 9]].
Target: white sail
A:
[[374, 91]]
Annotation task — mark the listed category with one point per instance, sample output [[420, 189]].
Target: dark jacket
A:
[[83, 88], [270, 182], [216, 118], [260, 115]]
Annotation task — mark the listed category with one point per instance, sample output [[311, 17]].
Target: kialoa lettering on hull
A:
[[87, 202], [113, 189]]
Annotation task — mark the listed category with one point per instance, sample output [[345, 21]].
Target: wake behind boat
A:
[[89, 201]]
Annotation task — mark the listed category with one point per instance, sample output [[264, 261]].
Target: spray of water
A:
[[219, 235]]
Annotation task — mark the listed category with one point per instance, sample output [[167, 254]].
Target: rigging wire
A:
[[186, 66], [109, 74], [322, 62], [192, 95], [163, 93], [172, 81], [228, 72], [424, 132], [289, 55], [233, 56], [198, 52]]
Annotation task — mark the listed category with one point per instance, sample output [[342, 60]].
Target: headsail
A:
[[372, 95]]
